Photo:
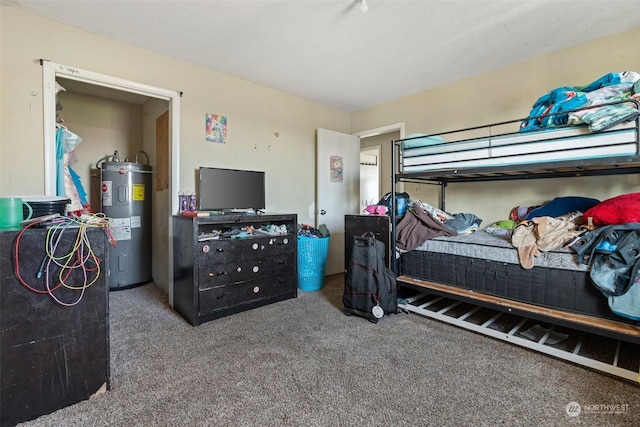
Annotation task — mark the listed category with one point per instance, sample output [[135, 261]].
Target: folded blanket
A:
[[610, 115]]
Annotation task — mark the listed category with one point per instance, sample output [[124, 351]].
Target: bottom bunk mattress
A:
[[488, 264]]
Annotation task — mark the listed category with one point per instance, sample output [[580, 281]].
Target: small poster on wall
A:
[[336, 168], [215, 128]]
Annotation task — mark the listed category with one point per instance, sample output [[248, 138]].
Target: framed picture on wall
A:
[[337, 169], [215, 128]]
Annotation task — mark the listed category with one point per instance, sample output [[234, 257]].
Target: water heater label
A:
[[121, 227], [107, 194], [138, 192]]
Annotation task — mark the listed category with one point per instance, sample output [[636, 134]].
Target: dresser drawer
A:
[[226, 250], [281, 244], [237, 271], [243, 270], [243, 293], [283, 262]]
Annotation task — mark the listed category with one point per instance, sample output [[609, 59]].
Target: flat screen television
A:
[[228, 189]]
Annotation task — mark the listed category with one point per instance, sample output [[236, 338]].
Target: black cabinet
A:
[[51, 355], [357, 225], [228, 274]]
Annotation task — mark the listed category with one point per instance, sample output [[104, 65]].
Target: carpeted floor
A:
[[302, 362]]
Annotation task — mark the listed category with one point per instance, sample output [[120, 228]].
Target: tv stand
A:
[[223, 275]]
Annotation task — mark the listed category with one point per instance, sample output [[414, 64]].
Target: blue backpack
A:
[[403, 200]]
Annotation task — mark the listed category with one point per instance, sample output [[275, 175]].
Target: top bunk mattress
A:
[[552, 145]]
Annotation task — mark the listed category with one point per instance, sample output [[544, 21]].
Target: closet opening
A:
[[136, 121]]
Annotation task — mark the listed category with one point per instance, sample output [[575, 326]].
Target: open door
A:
[[337, 189]]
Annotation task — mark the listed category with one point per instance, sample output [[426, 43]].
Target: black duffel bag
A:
[[370, 286]]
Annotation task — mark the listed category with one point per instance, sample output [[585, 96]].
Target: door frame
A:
[[395, 127], [382, 130], [51, 70]]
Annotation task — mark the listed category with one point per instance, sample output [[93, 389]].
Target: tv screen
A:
[[224, 189]]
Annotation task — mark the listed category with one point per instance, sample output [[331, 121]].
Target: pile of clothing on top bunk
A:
[[606, 94]]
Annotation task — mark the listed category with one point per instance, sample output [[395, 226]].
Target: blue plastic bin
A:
[[312, 262]]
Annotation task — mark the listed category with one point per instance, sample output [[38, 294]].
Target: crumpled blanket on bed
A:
[[555, 107], [423, 222], [417, 226]]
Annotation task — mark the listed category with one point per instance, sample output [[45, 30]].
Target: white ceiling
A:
[[330, 52]]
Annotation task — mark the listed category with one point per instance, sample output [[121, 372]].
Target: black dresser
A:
[[218, 272]]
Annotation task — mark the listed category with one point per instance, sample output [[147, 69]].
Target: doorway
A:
[[369, 176], [53, 71], [379, 142]]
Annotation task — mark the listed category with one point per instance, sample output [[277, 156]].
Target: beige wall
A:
[[506, 94], [273, 131], [255, 113]]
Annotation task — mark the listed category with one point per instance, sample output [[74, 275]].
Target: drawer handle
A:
[[220, 273]]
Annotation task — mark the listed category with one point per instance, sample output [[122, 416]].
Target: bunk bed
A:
[[482, 270]]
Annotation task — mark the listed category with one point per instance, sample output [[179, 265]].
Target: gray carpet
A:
[[302, 362]]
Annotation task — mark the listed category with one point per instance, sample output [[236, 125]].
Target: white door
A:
[[337, 189]]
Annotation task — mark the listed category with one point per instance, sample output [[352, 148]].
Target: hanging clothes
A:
[[60, 161], [66, 143]]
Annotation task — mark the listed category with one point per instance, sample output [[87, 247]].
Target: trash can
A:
[[312, 262]]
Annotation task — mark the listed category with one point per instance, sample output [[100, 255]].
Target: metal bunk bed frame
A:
[[429, 294]]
